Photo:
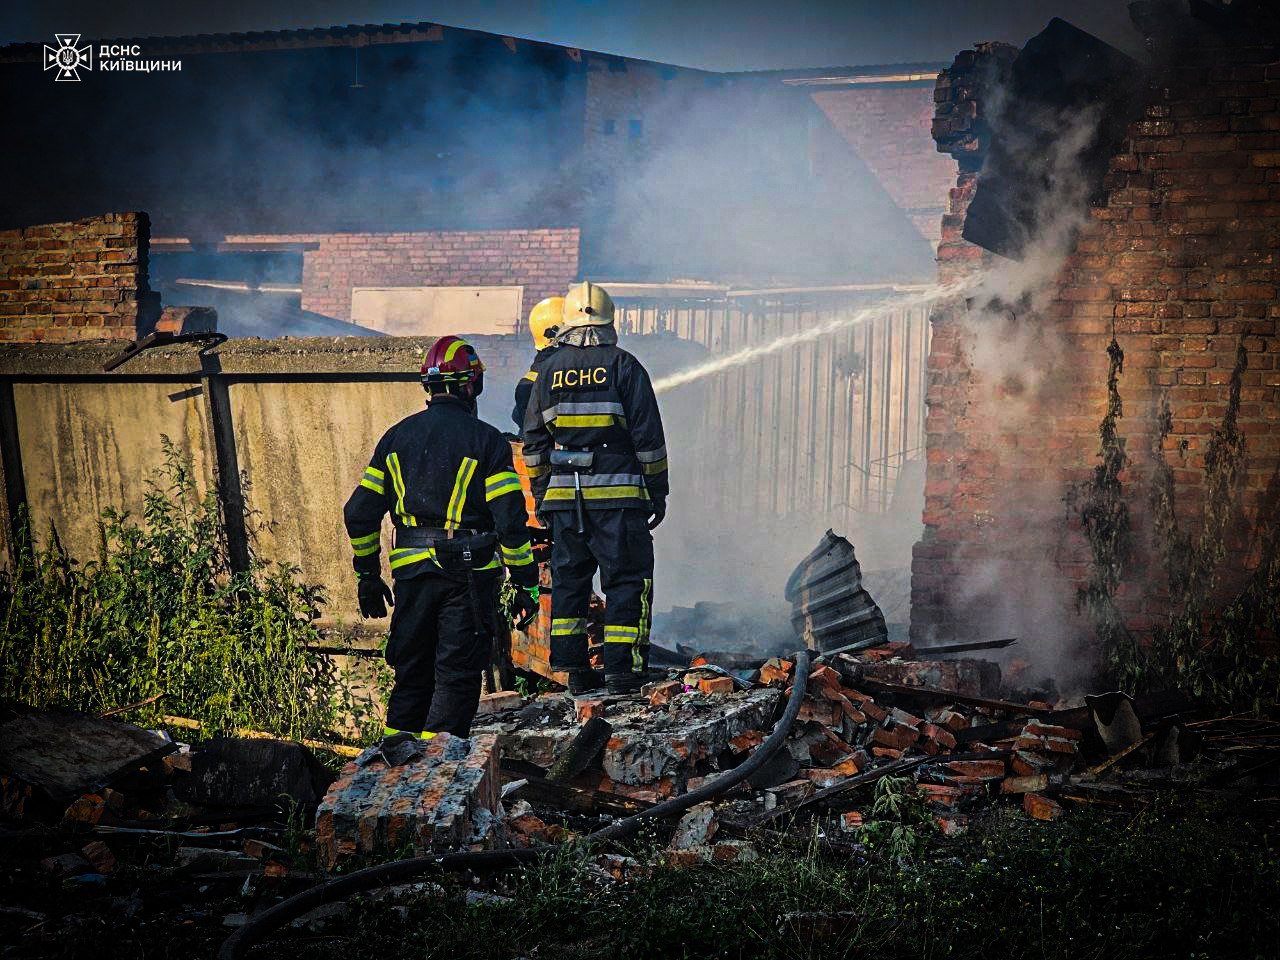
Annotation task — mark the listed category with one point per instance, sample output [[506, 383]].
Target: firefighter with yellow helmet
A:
[[544, 324], [597, 460]]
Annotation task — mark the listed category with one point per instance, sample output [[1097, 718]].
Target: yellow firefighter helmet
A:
[[544, 319], [586, 305]]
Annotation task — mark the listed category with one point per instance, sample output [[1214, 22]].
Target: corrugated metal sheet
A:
[[830, 607]]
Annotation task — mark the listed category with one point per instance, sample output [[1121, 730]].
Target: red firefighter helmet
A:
[[452, 362]]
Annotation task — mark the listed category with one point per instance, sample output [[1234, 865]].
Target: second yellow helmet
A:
[[544, 319], [587, 305]]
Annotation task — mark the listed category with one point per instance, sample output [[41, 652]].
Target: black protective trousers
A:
[[437, 651], [618, 542]]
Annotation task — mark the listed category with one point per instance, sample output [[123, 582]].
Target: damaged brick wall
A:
[[84, 280], [543, 261], [1180, 265], [888, 126]]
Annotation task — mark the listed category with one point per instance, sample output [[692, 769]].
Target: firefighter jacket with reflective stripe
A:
[[442, 469], [524, 387], [595, 398]]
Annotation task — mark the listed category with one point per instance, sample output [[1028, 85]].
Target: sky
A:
[[711, 34]]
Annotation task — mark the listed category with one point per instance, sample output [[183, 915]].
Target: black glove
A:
[[524, 605], [659, 508], [374, 596]]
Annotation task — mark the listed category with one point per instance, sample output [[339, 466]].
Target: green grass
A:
[[1170, 882], [159, 611]]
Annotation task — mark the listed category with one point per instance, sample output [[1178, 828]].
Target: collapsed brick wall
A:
[[83, 280], [543, 261], [1180, 265], [888, 126]]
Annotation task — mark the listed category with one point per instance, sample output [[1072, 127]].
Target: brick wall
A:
[[85, 280], [1180, 265], [888, 126], [543, 261]]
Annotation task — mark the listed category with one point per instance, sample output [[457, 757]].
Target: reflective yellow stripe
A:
[[397, 481], [597, 493], [566, 627], [407, 555], [372, 480], [367, 545], [617, 634], [584, 420], [453, 349], [517, 556], [646, 605], [453, 516], [531, 376], [500, 484], [651, 468], [536, 471]]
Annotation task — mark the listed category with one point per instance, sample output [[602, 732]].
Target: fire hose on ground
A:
[[238, 944]]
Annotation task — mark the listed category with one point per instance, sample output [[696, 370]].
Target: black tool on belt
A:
[[458, 553], [580, 462]]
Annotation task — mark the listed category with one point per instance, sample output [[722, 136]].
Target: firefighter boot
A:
[[582, 682], [618, 684]]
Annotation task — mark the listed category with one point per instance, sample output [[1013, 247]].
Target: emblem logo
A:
[[67, 58]]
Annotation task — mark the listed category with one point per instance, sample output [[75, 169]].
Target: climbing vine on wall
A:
[[1207, 645]]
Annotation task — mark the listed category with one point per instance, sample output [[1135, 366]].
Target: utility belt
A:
[[456, 552], [566, 459]]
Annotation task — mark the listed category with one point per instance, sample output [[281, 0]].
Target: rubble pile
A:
[[219, 830]]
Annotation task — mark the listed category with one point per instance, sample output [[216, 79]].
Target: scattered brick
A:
[[979, 769], [940, 736], [776, 672], [1034, 728], [715, 685], [492, 703], [1041, 807], [99, 856], [785, 792], [696, 827], [660, 694], [1034, 783]]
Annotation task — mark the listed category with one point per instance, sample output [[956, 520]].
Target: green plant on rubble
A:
[[1211, 657], [900, 824], [158, 611]]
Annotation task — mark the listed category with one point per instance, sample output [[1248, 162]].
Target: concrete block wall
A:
[[1180, 264], [83, 280]]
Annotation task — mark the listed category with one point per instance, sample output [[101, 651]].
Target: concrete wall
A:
[[301, 446], [86, 447]]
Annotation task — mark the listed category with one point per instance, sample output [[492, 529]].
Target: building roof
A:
[[369, 34], [351, 35]]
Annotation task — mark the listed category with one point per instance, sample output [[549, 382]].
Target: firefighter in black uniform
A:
[[448, 482], [544, 324], [597, 459]]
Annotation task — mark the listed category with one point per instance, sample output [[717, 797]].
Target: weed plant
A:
[[159, 611], [1206, 644]]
